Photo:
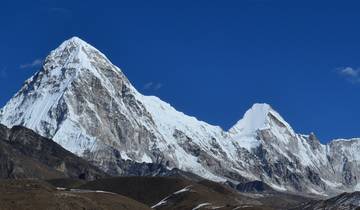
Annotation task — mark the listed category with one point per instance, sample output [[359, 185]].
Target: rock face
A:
[[87, 105], [254, 187], [25, 154], [345, 201]]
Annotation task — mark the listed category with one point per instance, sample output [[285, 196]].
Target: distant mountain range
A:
[[88, 106], [37, 173]]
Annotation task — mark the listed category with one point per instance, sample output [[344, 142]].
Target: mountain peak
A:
[[258, 117], [254, 118], [75, 44], [73, 52], [75, 41], [75, 55], [261, 108], [73, 62]]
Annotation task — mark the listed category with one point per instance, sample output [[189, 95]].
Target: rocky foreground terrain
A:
[[36, 194], [345, 201]]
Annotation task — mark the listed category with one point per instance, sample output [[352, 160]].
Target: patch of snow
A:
[[162, 202], [217, 207], [357, 187], [90, 191], [124, 156], [146, 159], [201, 205], [186, 189], [277, 187], [316, 192], [332, 184]]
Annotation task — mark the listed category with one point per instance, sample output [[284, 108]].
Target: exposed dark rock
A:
[[345, 201], [254, 186], [25, 154]]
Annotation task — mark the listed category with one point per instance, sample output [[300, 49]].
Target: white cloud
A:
[[153, 86], [34, 63], [148, 85], [158, 86], [350, 73]]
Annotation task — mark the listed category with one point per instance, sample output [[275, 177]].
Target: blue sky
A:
[[209, 59]]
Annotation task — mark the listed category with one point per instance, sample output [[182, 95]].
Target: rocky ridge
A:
[[88, 106]]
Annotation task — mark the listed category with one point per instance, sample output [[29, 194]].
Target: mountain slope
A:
[[345, 201], [36, 194], [176, 193], [87, 105], [25, 154]]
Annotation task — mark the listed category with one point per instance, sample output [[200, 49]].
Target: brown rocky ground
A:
[[181, 194], [39, 195]]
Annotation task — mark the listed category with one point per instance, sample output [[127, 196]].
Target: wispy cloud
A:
[[158, 86], [34, 63], [153, 86], [351, 74], [148, 85]]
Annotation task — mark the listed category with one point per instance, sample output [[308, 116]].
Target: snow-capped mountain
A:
[[87, 105]]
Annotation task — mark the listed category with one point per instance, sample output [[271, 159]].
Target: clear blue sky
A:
[[209, 59]]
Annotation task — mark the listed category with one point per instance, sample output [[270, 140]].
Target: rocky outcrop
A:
[[25, 154], [345, 201]]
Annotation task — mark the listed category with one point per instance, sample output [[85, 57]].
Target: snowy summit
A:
[[87, 105]]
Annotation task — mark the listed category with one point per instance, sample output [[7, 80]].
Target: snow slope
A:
[[87, 105]]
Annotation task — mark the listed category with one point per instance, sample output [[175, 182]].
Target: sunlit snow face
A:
[[84, 102]]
